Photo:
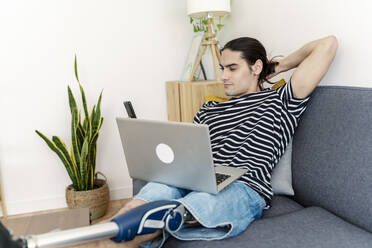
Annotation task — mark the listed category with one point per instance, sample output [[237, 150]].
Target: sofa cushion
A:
[[281, 179], [311, 227], [331, 157], [281, 205]]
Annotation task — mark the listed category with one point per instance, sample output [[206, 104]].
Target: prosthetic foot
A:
[[149, 218]]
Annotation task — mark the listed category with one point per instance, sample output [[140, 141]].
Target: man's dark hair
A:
[[252, 50]]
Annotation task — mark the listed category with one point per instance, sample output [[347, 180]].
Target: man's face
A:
[[238, 78]]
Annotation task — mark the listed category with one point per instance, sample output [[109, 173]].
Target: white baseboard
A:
[[121, 193], [35, 205]]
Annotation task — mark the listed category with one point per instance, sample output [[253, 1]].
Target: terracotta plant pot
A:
[[96, 200]]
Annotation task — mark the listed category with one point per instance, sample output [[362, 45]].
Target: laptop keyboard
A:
[[221, 177]]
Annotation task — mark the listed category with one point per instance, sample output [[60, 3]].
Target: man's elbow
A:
[[330, 43]]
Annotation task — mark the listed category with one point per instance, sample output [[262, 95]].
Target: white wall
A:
[[129, 49], [285, 25]]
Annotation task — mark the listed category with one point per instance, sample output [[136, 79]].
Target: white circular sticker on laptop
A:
[[165, 153]]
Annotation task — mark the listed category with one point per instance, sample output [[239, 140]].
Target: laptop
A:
[[173, 153]]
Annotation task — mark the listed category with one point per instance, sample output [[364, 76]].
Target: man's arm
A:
[[312, 62]]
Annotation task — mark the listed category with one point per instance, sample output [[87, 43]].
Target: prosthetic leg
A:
[[155, 216], [144, 219]]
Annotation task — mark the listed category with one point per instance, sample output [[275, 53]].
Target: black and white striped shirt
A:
[[252, 132]]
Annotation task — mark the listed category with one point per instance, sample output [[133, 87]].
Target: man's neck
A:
[[258, 89]]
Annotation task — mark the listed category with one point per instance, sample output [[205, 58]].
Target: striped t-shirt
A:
[[252, 132]]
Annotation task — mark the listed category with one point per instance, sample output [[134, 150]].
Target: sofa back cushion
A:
[[332, 153]]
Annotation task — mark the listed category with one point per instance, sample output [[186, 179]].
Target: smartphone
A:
[[129, 108]]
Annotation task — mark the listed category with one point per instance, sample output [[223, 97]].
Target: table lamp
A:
[[209, 9]]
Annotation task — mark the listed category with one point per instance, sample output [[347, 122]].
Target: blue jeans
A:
[[222, 216]]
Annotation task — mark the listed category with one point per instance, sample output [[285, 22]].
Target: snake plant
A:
[[80, 162]]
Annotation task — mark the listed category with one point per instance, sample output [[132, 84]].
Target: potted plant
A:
[[86, 189]]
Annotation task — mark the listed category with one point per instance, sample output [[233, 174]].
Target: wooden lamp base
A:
[[209, 41]]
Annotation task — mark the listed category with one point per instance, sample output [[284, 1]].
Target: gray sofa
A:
[[332, 180]]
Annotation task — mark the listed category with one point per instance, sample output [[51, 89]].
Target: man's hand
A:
[[279, 68]]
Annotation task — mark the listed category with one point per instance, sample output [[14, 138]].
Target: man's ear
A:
[[257, 67]]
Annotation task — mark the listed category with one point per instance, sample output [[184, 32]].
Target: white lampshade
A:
[[200, 8]]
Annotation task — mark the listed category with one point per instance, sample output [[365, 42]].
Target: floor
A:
[[114, 207]]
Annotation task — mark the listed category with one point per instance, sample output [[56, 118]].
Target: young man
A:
[[249, 131]]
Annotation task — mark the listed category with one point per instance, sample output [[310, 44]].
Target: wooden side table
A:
[[184, 99]]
